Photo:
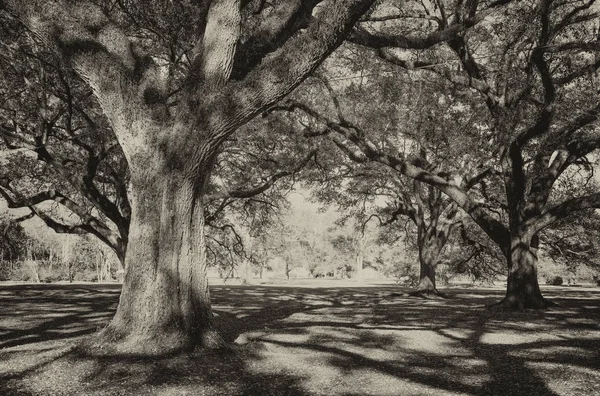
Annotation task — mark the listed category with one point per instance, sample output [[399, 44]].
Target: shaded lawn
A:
[[312, 341]]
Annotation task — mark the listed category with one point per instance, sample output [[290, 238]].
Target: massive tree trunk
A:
[[428, 257], [165, 301], [430, 247], [522, 288]]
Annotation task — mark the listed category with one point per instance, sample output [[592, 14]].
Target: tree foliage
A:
[[527, 77]]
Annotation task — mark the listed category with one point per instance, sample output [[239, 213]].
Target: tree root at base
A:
[[508, 304], [107, 343]]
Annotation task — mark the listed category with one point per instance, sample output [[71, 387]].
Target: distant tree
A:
[[534, 73], [14, 239], [417, 120], [13, 245], [575, 243]]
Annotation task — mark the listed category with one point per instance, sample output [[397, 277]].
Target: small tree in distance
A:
[[539, 118]]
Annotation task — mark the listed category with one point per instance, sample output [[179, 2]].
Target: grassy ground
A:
[[307, 340]]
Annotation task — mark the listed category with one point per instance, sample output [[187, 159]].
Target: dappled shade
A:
[[312, 341]]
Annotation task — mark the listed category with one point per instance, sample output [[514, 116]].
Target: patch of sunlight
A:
[[508, 338], [369, 326], [582, 321], [285, 298], [569, 379], [461, 334], [32, 356], [430, 342], [369, 380], [316, 301], [330, 315], [555, 350], [322, 335], [475, 379], [66, 331], [333, 371], [362, 295], [472, 295], [465, 362], [223, 307], [70, 376], [391, 301], [96, 315], [524, 326], [313, 368]]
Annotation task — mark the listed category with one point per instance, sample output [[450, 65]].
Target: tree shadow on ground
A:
[[314, 341], [205, 373], [42, 312], [462, 347]]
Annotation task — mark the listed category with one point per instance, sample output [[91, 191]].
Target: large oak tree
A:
[[533, 68], [62, 162], [413, 117], [171, 150]]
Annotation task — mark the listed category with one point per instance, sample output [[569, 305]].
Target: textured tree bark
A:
[[522, 289], [429, 252], [165, 300]]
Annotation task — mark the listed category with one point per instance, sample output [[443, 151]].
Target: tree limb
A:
[[282, 70], [559, 211], [414, 168], [259, 189]]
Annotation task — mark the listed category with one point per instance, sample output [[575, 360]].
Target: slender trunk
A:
[[36, 271], [428, 256], [522, 288], [165, 300], [107, 266], [98, 274], [33, 267], [121, 268], [359, 266], [102, 261], [245, 272]]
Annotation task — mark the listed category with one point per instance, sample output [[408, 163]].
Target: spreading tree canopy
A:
[[531, 65], [171, 123]]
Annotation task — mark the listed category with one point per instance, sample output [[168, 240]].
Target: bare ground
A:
[[308, 340]]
